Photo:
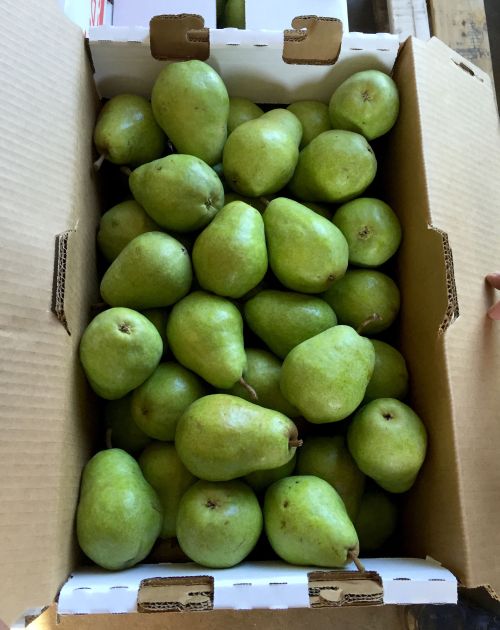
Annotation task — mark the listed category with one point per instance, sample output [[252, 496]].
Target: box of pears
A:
[[258, 374]]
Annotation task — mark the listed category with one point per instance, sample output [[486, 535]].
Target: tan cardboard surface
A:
[[454, 507], [45, 152], [365, 618]]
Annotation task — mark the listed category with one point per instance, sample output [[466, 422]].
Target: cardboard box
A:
[[441, 165]]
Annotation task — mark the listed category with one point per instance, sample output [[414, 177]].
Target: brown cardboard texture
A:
[[442, 166]]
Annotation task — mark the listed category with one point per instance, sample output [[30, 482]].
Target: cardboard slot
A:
[[313, 41], [452, 309], [179, 37], [345, 588], [162, 594], [59, 286]]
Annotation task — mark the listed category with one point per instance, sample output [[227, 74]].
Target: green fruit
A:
[[126, 131], [121, 224], [390, 375], [336, 166], [283, 319], [160, 401], [153, 270], [222, 437], [191, 104], [389, 442], [263, 371], [163, 469], [218, 524], [205, 333], [307, 253], [365, 299], [255, 202], [261, 479], [307, 524], [122, 431], [329, 459], [180, 192], [260, 155], [220, 6], [230, 255], [234, 14], [119, 514], [319, 208], [367, 102], [376, 520], [119, 349], [241, 110], [372, 231], [314, 118], [326, 376], [159, 317]]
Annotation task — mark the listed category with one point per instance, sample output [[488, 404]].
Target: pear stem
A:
[[99, 161], [374, 317], [108, 438], [126, 170], [354, 558], [265, 201], [295, 443], [249, 388]]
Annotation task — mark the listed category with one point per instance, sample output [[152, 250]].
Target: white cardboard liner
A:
[[249, 61], [250, 585]]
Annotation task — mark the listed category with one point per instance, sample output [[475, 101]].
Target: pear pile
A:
[[245, 280]]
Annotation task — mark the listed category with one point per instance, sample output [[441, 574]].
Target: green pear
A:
[[234, 14], [367, 102], [153, 270], [191, 104], [160, 401], [180, 192], [119, 514], [220, 6], [222, 437], [218, 524], [336, 166], [263, 371], [376, 520], [119, 350], [205, 333], [260, 155], [307, 253], [256, 202], [126, 131], [121, 224], [328, 458], [307, 524], [314, 118], [122, 431], [319, 208], [283, 319], [163, 469], [260, 480], [365, 299], [372, 231], [326, 376], [241, 110], [389, 442], [390, 374], [230, 255], [159, 317]]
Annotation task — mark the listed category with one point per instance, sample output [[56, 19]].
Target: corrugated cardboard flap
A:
[[45, 109], [454, 118]]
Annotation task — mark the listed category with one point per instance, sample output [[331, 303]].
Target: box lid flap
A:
[[459, 127], [46, 102]]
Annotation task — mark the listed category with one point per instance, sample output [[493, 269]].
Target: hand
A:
[[494, 280]]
